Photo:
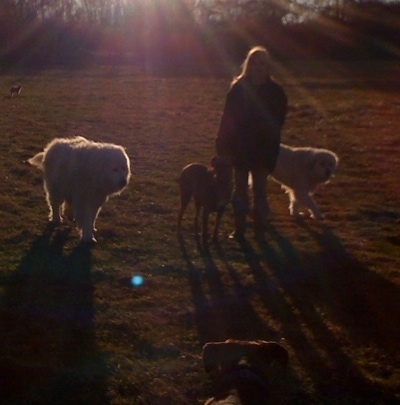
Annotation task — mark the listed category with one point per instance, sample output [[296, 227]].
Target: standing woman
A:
[[250, 134]]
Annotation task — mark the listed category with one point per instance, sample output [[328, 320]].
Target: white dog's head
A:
[[115, 169], [323, 165]]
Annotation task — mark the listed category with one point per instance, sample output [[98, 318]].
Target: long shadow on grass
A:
[[317, 290], [221, 313], [204, 317], [360, 299], [48, 351]]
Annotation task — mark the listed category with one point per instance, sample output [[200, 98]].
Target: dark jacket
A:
[[251, 124]]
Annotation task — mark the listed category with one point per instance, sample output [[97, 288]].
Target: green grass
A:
[[74, 329]]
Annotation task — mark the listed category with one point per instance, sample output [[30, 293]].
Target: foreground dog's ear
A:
[[332, 158], [212, 354], [272, 352], [214, 161]]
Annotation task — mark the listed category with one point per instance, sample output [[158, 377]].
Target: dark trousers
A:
[[240, 199]]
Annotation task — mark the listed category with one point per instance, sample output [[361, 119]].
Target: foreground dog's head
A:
[[259, 354], [243, 370], [221, 169]]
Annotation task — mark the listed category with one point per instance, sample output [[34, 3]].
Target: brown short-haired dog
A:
[[242, 369], [211, 188], [15, 90]]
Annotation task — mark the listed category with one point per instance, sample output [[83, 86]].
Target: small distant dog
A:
[[211, 189], [241, 369], [79, 176], [300, 171], [15, 90]]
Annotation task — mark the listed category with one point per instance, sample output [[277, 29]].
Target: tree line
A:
[[183, 35]]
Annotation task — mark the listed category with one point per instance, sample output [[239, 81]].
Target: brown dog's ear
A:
[[211, 356], [214, 161], [272, 352]]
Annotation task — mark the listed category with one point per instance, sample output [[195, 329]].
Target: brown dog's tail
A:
[[37, 160]]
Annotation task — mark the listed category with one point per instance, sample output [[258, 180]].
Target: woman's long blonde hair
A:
[[256, 50]]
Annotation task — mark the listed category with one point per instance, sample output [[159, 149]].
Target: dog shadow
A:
[[330, 285], [201, 304], [48, 351], [221, 312]]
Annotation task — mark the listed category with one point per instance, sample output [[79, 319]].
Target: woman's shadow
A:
[[48, 350], [351, 295]]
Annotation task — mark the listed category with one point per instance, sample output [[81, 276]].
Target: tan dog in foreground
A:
[[241, 369], [211, 189]]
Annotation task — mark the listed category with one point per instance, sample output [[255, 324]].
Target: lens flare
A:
[[137, 280]]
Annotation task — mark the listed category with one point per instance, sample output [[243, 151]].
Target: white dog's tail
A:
[[37, 160], [250, 181]]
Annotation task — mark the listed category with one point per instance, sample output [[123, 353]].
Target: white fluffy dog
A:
[[79, 176], [300, 171]]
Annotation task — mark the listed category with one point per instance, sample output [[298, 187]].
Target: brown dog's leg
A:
[[205, 226], [217, 223], [185, 199], [196, 217], [180, 215]]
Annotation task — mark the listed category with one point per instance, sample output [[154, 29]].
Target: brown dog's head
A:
[[220, 356], [221, 169]]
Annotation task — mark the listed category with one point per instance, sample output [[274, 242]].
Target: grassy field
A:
[[75, 330]]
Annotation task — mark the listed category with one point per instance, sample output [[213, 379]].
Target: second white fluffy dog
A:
[[300, 171], [79, 176]]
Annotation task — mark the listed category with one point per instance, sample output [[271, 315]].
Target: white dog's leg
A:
[[294, 207], [54, 204], [308, 201], [85, 219], [88, 230], [67, 211]]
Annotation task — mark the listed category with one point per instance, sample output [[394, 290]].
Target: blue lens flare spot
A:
[[137, 280]]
